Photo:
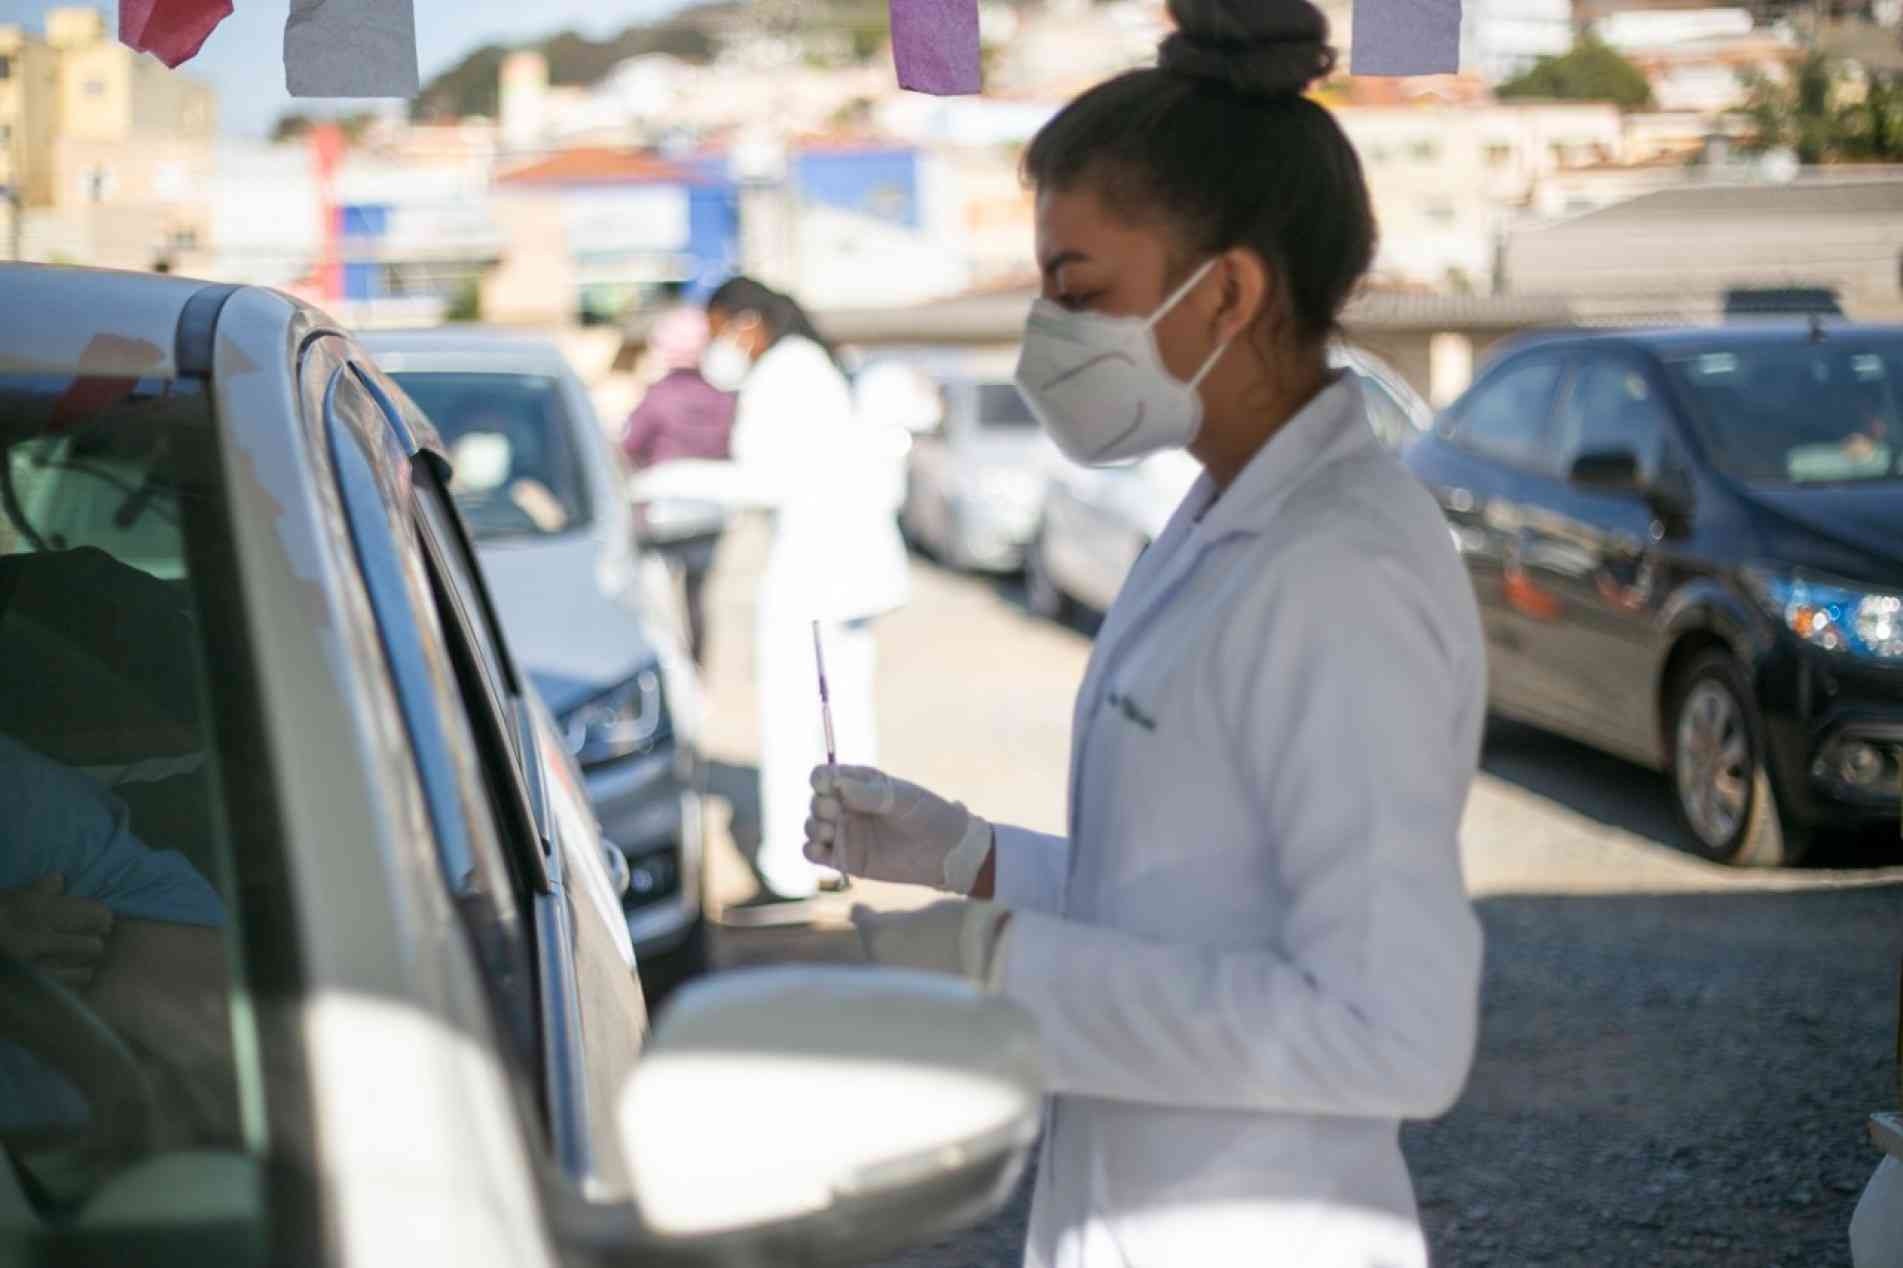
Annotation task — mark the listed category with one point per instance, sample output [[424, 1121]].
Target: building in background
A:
[[107, 152], [1447, 180], [1503, 38], [1696, 60], [1669, 255]]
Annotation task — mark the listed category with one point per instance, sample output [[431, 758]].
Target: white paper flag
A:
[[1406, 37], [350, 48]]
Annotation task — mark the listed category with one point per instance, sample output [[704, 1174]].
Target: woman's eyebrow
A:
[[1062, 258]]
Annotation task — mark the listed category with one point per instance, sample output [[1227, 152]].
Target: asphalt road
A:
[[1676, 1058]]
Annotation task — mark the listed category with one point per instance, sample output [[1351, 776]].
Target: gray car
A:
[[975, 478], [367, 996], [594, 620]]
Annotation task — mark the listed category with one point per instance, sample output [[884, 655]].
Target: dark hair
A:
[[780, 314], [1218, 141]]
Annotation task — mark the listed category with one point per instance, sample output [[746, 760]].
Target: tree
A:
[[1591, 71], [290, 126], [1812, 116]]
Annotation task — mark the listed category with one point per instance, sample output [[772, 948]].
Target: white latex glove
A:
[[866, 823], [963, 938]]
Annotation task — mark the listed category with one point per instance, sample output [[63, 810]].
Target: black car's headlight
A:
[[626, 719], [1838, 616]]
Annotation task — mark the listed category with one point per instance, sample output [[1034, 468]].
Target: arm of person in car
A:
[[166, 988]]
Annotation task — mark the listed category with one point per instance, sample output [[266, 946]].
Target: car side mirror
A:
[[826, 1114], [1617, 471], [1608, 471]]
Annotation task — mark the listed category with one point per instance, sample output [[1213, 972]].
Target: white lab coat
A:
[[833, 483], [1256, 955]]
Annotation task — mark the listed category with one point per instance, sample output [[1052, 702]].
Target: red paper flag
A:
[[935, 43], [171, 30]]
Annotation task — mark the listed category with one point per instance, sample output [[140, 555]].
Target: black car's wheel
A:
[[1715, 747], [1041, 591]]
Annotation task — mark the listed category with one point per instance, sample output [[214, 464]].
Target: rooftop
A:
[[595, 165]]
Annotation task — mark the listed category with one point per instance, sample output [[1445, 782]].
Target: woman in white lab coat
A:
[[1251, 956], [832, 483]]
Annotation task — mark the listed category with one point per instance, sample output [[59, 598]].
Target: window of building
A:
[[1499, 154], [95, 88], [6, 67], [1424, 150], [1438, 211], [6, 134]]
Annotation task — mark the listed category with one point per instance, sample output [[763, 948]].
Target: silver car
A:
[[367, 996], [975, 478], [1096, 521], [595, 622]]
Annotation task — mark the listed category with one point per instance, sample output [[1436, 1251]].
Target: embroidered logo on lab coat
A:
[[1131, 709]]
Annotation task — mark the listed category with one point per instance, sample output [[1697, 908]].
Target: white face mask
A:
[[725, 364], [1099, 386]]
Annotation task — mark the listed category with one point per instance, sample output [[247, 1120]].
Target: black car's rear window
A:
[[1807, 411]]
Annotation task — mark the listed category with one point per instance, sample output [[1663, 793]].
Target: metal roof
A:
[[998, 318]]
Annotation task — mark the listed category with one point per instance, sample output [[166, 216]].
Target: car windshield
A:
[[1001, 407], [1817, 412], [516, 470], [128, 777]]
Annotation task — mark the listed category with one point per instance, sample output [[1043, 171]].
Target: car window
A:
[[134, 783], [511, 444], [1506, 416], [431, 686], [1612, 405], [1001, 406], [1801, 412]]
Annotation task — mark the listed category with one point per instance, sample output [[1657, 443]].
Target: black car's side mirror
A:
[[1617, 471], [1608, 471]]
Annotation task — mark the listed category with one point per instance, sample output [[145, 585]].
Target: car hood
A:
[[1851, 520], [567, 606]]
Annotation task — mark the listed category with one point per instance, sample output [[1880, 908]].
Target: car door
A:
[[592, 1009], [1599, 555], [1486, 467], [565, 990]]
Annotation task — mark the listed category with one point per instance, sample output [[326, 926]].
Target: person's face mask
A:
[[1099, 386], [725, 363]]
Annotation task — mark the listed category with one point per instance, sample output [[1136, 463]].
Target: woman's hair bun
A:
[[1258, 48]]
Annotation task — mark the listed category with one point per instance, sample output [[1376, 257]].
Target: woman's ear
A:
[[1248, 290], [750, 333]]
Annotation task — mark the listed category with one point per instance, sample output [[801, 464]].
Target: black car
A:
[[1688, 550]]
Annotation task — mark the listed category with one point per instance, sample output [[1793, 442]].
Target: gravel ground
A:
[[1676, 1059]]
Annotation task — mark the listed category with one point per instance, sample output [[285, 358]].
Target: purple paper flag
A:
[[935, 43], [1406, 37]]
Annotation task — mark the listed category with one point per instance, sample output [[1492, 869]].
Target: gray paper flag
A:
[[1406, 37], [350, 48]]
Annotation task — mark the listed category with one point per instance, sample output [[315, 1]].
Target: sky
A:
[[244, 58]]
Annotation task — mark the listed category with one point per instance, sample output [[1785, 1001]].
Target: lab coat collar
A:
[[1328, 428]]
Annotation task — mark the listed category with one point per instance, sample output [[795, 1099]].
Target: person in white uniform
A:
[[1252, 955], [831, 482]]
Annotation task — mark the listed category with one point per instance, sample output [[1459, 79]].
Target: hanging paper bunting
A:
[[171, 30], [1406, 37], [935, 44], [350, 48]]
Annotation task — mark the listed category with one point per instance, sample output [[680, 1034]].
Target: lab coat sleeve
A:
[[1356, 711], [1031, 867]]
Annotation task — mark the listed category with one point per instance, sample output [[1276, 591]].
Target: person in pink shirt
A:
[[682, 416]]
